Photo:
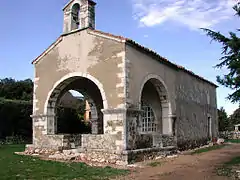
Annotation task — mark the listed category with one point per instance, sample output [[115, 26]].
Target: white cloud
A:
[[191, 13]]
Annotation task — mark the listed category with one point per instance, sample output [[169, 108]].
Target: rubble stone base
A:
[[139, 155], [101, 156]]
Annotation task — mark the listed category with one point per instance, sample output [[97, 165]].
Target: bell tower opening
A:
[[79, 14], [75, 14]]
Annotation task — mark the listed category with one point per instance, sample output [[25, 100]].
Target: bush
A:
[[15, 120], [15, 140], [69, 121]]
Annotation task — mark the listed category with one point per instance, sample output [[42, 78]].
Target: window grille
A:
[[148, 123]]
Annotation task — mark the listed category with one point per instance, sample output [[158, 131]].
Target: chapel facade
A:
[[141, 104]]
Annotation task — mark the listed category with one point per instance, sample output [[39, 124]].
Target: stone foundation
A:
[[101, 155], [162, 140], [183, 144], [139, 155]]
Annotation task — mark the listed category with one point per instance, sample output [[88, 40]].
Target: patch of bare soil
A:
[[187, 167]]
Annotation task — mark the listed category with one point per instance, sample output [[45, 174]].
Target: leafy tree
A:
[[235, 117], [223, 122], [230, 59], [12, 89]]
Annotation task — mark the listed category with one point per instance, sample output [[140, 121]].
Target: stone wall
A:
[[196, 113], [230, 135], [148, 154], [161, 140], [99, 142], [137, 140], [58, 141], [101, 155], [72, 141]]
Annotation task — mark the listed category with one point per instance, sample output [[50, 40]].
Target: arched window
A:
[[75, 16], [148, 123]]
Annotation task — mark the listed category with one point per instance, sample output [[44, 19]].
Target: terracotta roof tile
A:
[[53, 44], [108, 34]]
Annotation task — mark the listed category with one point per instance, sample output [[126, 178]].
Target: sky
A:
[[169, 27]]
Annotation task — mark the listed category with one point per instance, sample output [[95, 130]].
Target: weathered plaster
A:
[[82, 58]]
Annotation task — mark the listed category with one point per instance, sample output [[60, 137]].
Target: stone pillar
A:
[[39, 128], [95, 125], [166, 119], [51, 124], [133, 127], [114, 124]]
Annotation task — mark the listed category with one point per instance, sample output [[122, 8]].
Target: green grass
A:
[[210, 148], [16, 167], [227, 168], [233, 140]]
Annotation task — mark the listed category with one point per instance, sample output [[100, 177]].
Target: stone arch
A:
[[58, 90], [164, 99]]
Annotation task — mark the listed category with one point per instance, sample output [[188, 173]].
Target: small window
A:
[[148, 123], [194, 116], [208, 97]]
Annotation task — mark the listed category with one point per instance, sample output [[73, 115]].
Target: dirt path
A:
[[188, 167]]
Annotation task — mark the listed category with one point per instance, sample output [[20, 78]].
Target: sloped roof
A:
[[134, 44], [154, 54]]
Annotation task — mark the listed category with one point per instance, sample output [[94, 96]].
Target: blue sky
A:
[[170, 27]]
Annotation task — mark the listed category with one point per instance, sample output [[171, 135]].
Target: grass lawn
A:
[[227, 169], [15, 167], [210, 148], [233, 140]]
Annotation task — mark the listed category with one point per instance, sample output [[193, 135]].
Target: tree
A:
[[235, 117], [12, 89], [230, 59], [223, 122]]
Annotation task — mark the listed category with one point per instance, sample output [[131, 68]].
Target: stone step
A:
[[70, 151]]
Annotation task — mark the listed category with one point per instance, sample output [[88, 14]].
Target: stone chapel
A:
[[142, 105]]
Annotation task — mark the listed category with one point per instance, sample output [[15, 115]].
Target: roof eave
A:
[[166, 61], [67, 5], [59, 39]]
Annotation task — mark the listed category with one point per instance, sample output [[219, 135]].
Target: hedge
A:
[[15, 118]]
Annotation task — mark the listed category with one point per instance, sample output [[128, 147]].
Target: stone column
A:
[[114, 124], [166, 119], [133, 127], [95, 124], [39, 128]]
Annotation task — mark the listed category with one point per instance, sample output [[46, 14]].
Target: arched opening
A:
[[74, 106], [156, 121], [71, 113], [155, 108], [75, 15]]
